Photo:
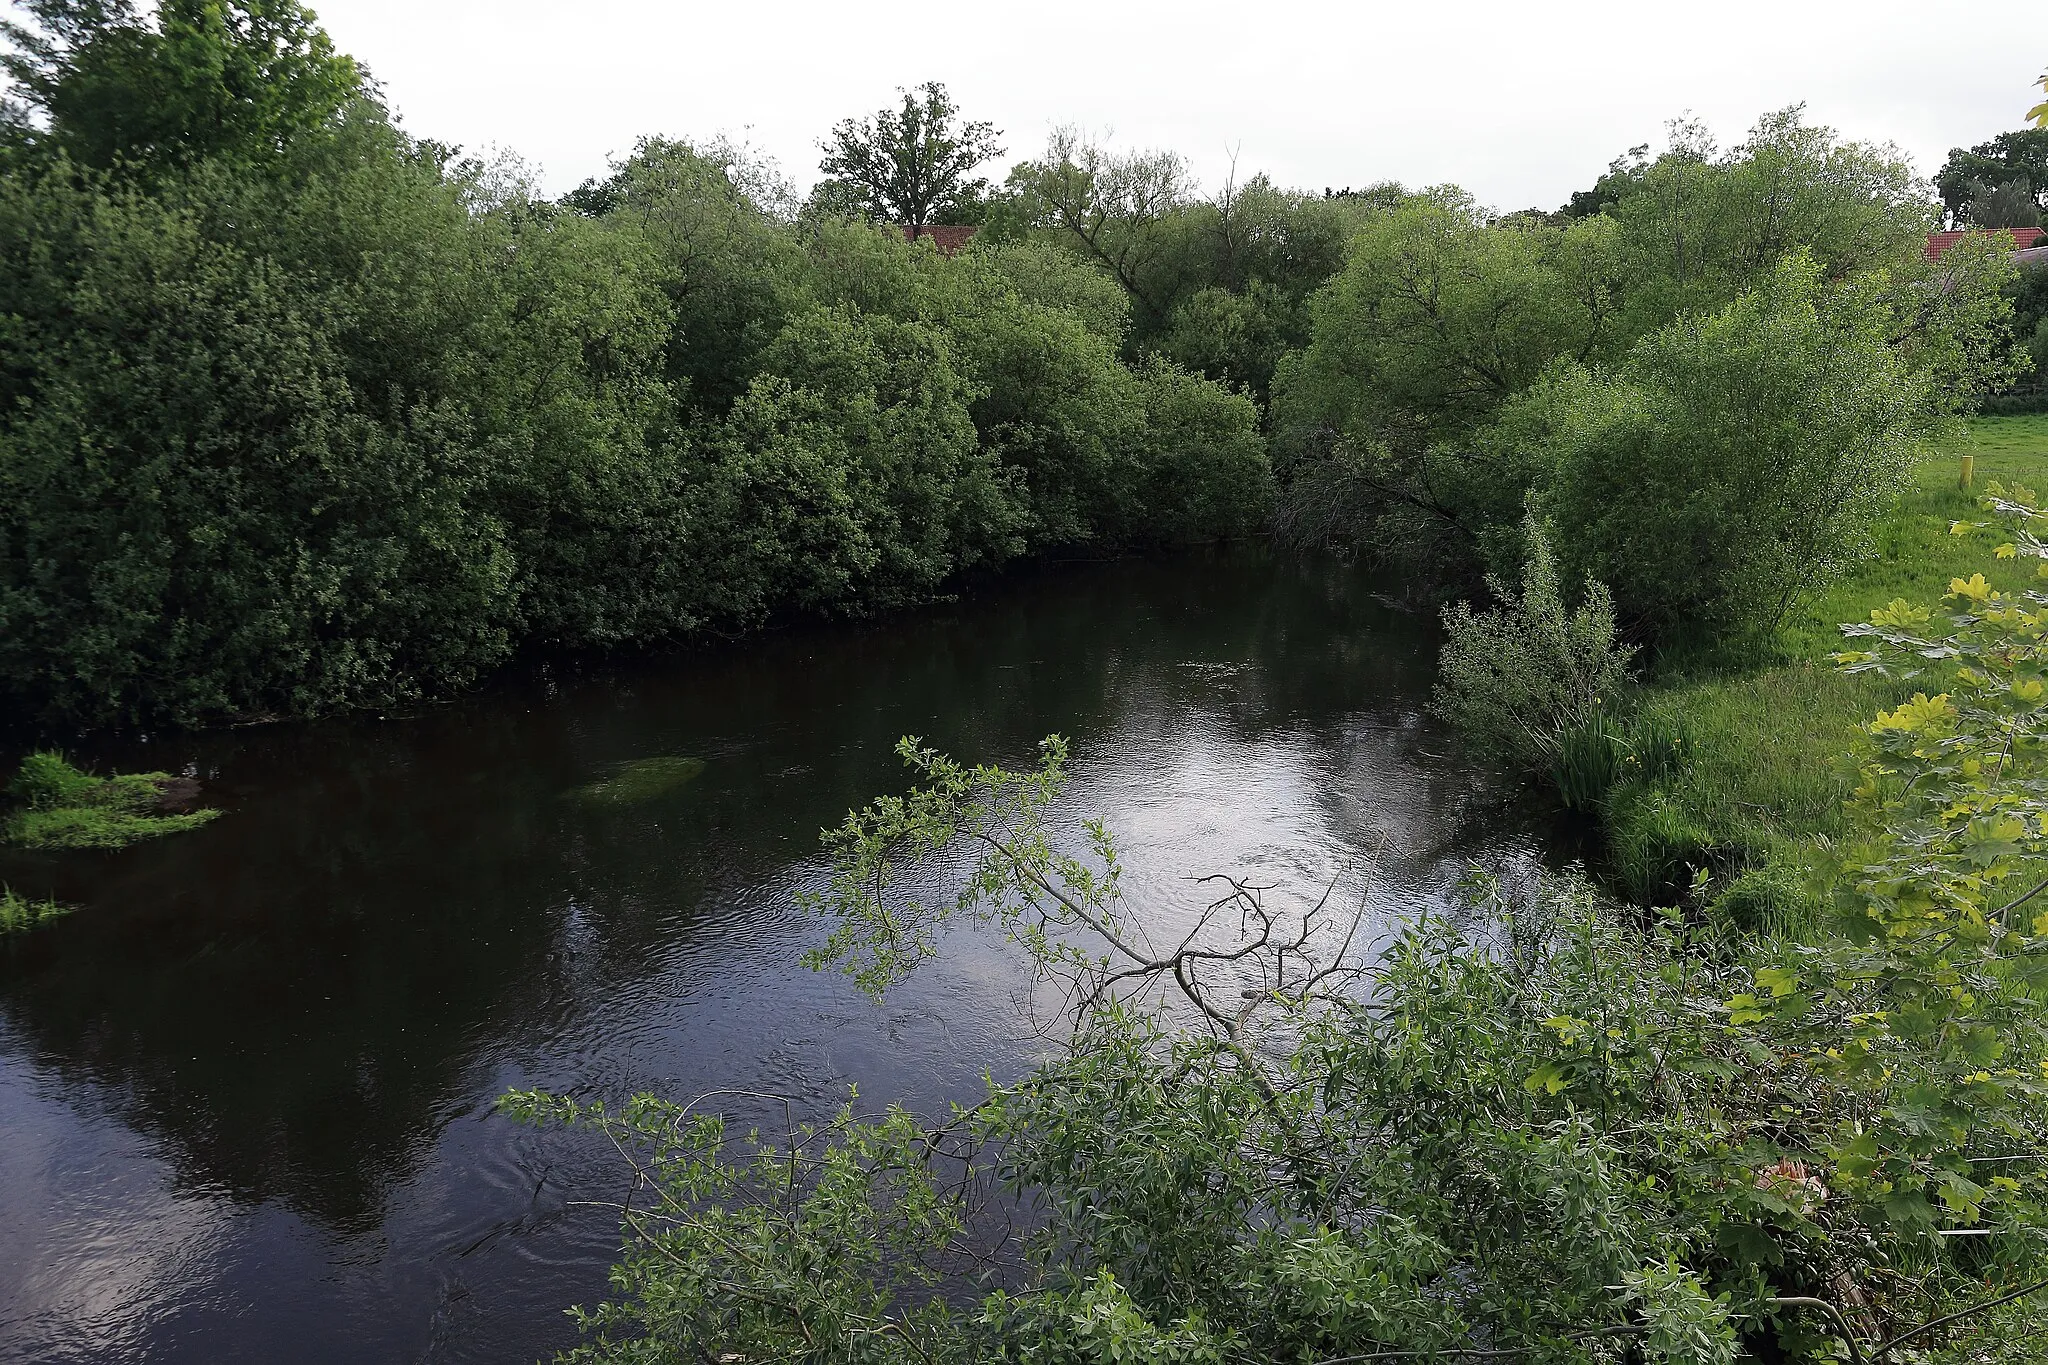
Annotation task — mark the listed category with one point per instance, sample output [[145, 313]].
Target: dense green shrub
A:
[[1237, 336], [930, 499], [1516, 677], [204, 512], [1052, 278], [779, 525], [203, 80], [1051, 401], [1735, 459], [340, 419], [1203, 472]]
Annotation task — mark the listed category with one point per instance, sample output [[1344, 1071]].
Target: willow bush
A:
[[304, 413]]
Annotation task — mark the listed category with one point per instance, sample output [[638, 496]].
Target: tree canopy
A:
[[913, 165], [198, 78], [1998, 182], [302, 413]]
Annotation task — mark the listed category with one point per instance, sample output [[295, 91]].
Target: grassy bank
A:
[[1770, 734], [56, 806]]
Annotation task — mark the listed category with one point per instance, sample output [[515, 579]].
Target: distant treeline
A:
[[1703, 377], [299, 412]]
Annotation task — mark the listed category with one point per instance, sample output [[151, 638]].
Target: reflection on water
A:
[[246, 1089]]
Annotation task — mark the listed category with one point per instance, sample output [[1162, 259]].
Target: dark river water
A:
[[246, 1089]]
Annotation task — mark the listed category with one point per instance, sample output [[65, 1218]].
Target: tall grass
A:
[[1767, 767], [19, 914]]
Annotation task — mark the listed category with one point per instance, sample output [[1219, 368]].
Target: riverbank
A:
[[1772, 734]]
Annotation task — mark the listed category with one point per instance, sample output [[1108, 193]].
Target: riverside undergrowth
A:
[[1576, 1132]]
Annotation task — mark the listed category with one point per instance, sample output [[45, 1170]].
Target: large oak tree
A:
[[913, 165]]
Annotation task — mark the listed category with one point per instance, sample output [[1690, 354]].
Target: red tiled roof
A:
[[947, 239], [1938, 242]]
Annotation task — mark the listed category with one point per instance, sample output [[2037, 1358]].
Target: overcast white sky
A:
[[1519, 102]]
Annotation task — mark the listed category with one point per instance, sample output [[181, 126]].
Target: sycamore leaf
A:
[[1779, 981], [1899, 612], [1745, 1009], [1914, 716], [1974, 589], [1551, 1077], [1567, 1029]]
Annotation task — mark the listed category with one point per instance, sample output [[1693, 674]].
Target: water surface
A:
[[246, 1089]]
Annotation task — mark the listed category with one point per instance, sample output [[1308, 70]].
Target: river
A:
[[246, 1088]]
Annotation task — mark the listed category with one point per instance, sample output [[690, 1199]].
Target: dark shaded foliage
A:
[[2017, 160], [300, 413]]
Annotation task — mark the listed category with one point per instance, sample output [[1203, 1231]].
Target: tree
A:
[[1219, 284], [1703, 226], [206, 78], [1737, 458], [1976, 177], [1117, 209], [1251, 255], [1439, 317], [915, 165], [707, 216], [2030, 318], [1624, 175], [2011, 205]]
